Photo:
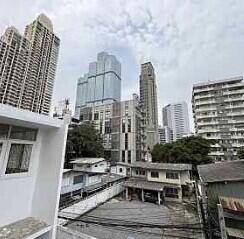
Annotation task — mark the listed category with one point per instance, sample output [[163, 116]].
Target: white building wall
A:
[[36, 193]]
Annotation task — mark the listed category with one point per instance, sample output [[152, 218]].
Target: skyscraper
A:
[[102, 84], [218, 108], [28, 65], [176, 117], [148, 99]]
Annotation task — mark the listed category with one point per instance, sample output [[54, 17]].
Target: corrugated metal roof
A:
[[232, 204], [88, 160], [222, 171]]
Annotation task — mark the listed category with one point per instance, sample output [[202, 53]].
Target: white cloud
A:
[[187, 41]]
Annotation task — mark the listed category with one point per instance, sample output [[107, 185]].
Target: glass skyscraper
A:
[[102, 84]]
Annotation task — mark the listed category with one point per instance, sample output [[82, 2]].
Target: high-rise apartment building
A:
[[102, 84], [121, 125], [148, 99], [218, 109], [28, 65], [175, 116], [165, 135]]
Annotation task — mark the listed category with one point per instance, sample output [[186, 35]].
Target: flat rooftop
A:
[[132, 212]]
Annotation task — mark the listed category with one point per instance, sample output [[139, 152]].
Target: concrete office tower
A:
[[28, 65], [176, 117], [121, 125], [218, 110], [165, 135], [148, 99], [102, 84]]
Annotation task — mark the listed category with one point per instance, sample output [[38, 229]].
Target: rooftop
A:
[[207, 83], [25, 228], [127, 212], [88, 160], [222, 171], [148, 185], [20, 117], [159, 166]]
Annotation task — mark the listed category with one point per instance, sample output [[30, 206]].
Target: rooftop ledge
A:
[[27, 228], [20, 117]]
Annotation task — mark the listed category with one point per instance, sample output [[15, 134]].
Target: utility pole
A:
[[222, 222]]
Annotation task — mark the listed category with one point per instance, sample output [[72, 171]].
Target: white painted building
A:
[[165, 135], [218, 108], [32, 148], [176, 117]]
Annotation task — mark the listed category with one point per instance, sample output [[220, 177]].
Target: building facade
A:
[[175, 116], [164, 181], [165, 135], [32, 148], [148, 99], [28, 65], [102, 84], [218, 108], [121, 125]]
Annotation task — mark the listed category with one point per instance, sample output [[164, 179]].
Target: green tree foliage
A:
[[193, 150], [83, 141], [240, 153]]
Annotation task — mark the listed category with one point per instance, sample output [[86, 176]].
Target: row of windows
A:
[[169, 175]]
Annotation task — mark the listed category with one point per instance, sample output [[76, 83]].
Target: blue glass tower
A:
[[101, 85]]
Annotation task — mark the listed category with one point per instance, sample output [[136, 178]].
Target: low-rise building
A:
[[221, 185], [169, 182], [32, 148]]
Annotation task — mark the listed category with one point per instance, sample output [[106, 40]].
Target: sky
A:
[[187, 41]]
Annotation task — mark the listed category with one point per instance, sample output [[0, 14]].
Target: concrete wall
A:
[[91, 202], [68, 182], [35, 193]]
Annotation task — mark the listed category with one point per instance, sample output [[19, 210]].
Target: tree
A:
[[240, 153], [193, 150], [83, 141]]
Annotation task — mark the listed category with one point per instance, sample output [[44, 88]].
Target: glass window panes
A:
[[19, 158], [78, 179], [23, 133], [4, 131]]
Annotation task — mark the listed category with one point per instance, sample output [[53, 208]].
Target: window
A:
[[120, 170], [4, 131], [1, 146], [172, 175], [19, 158], [96, 116], [107, 127], [95, 165], [154, 174], [129, 125], [129, 156], [123, 125], [171, 192], [23, 133], [123, 156], [78, 179], [126, 141]]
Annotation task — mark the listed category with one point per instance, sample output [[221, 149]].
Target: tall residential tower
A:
[[101, 85], [148, 99], [28, 65], [218, 109], [175, 116]]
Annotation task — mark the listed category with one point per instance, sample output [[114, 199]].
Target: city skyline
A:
[[169, 41]]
